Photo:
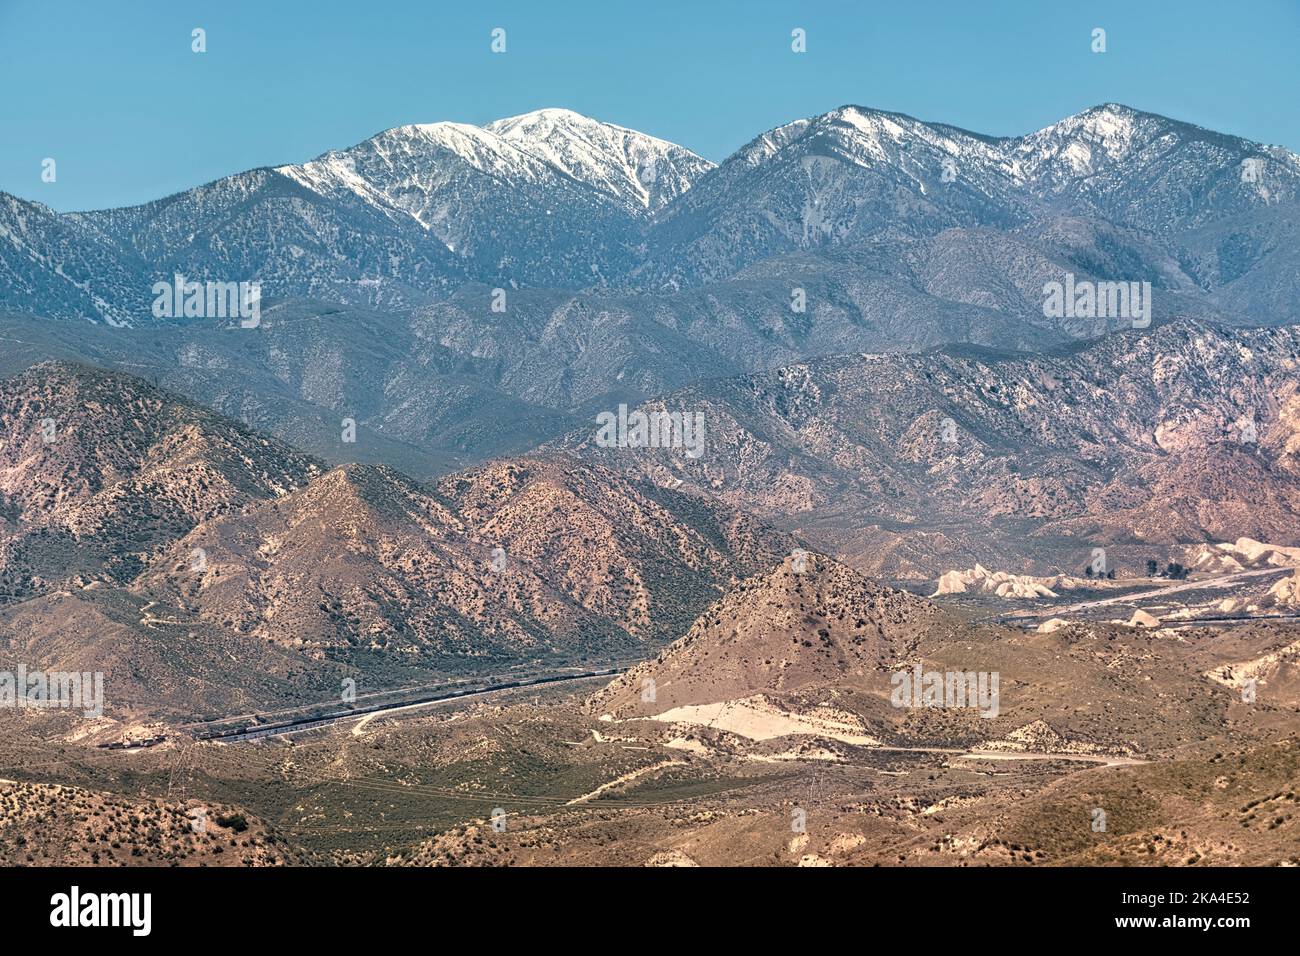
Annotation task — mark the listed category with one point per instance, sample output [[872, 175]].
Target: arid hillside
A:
[[909, 465], [205, 568]]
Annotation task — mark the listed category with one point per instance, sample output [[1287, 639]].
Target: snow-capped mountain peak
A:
[[543, 119], [872, 135], [1082, 144], [639, 170], [1152, 171], [554, 149], [398, 156]]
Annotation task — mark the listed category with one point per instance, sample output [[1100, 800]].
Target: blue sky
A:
[[111, 90]]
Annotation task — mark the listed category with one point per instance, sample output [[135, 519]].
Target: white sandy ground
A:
[[1244, 553], [670, 858], [1140, 618], [1003, 584], [757, 718], [690, 746], [1235, 675]]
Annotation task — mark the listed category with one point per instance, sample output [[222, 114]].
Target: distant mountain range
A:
[[547, 199], [553, 199], [828, 297], [462, 292]]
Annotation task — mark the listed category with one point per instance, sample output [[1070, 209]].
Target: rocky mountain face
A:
[[1152, 172], [811, 621], [452, 383], [415, 403], [172, 545], [96, 469], [461, 292], [914, 464], [638, 554], [53, 265], [848, 176], [554, 199], [308, 239], [365, 560], [523, 560]]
